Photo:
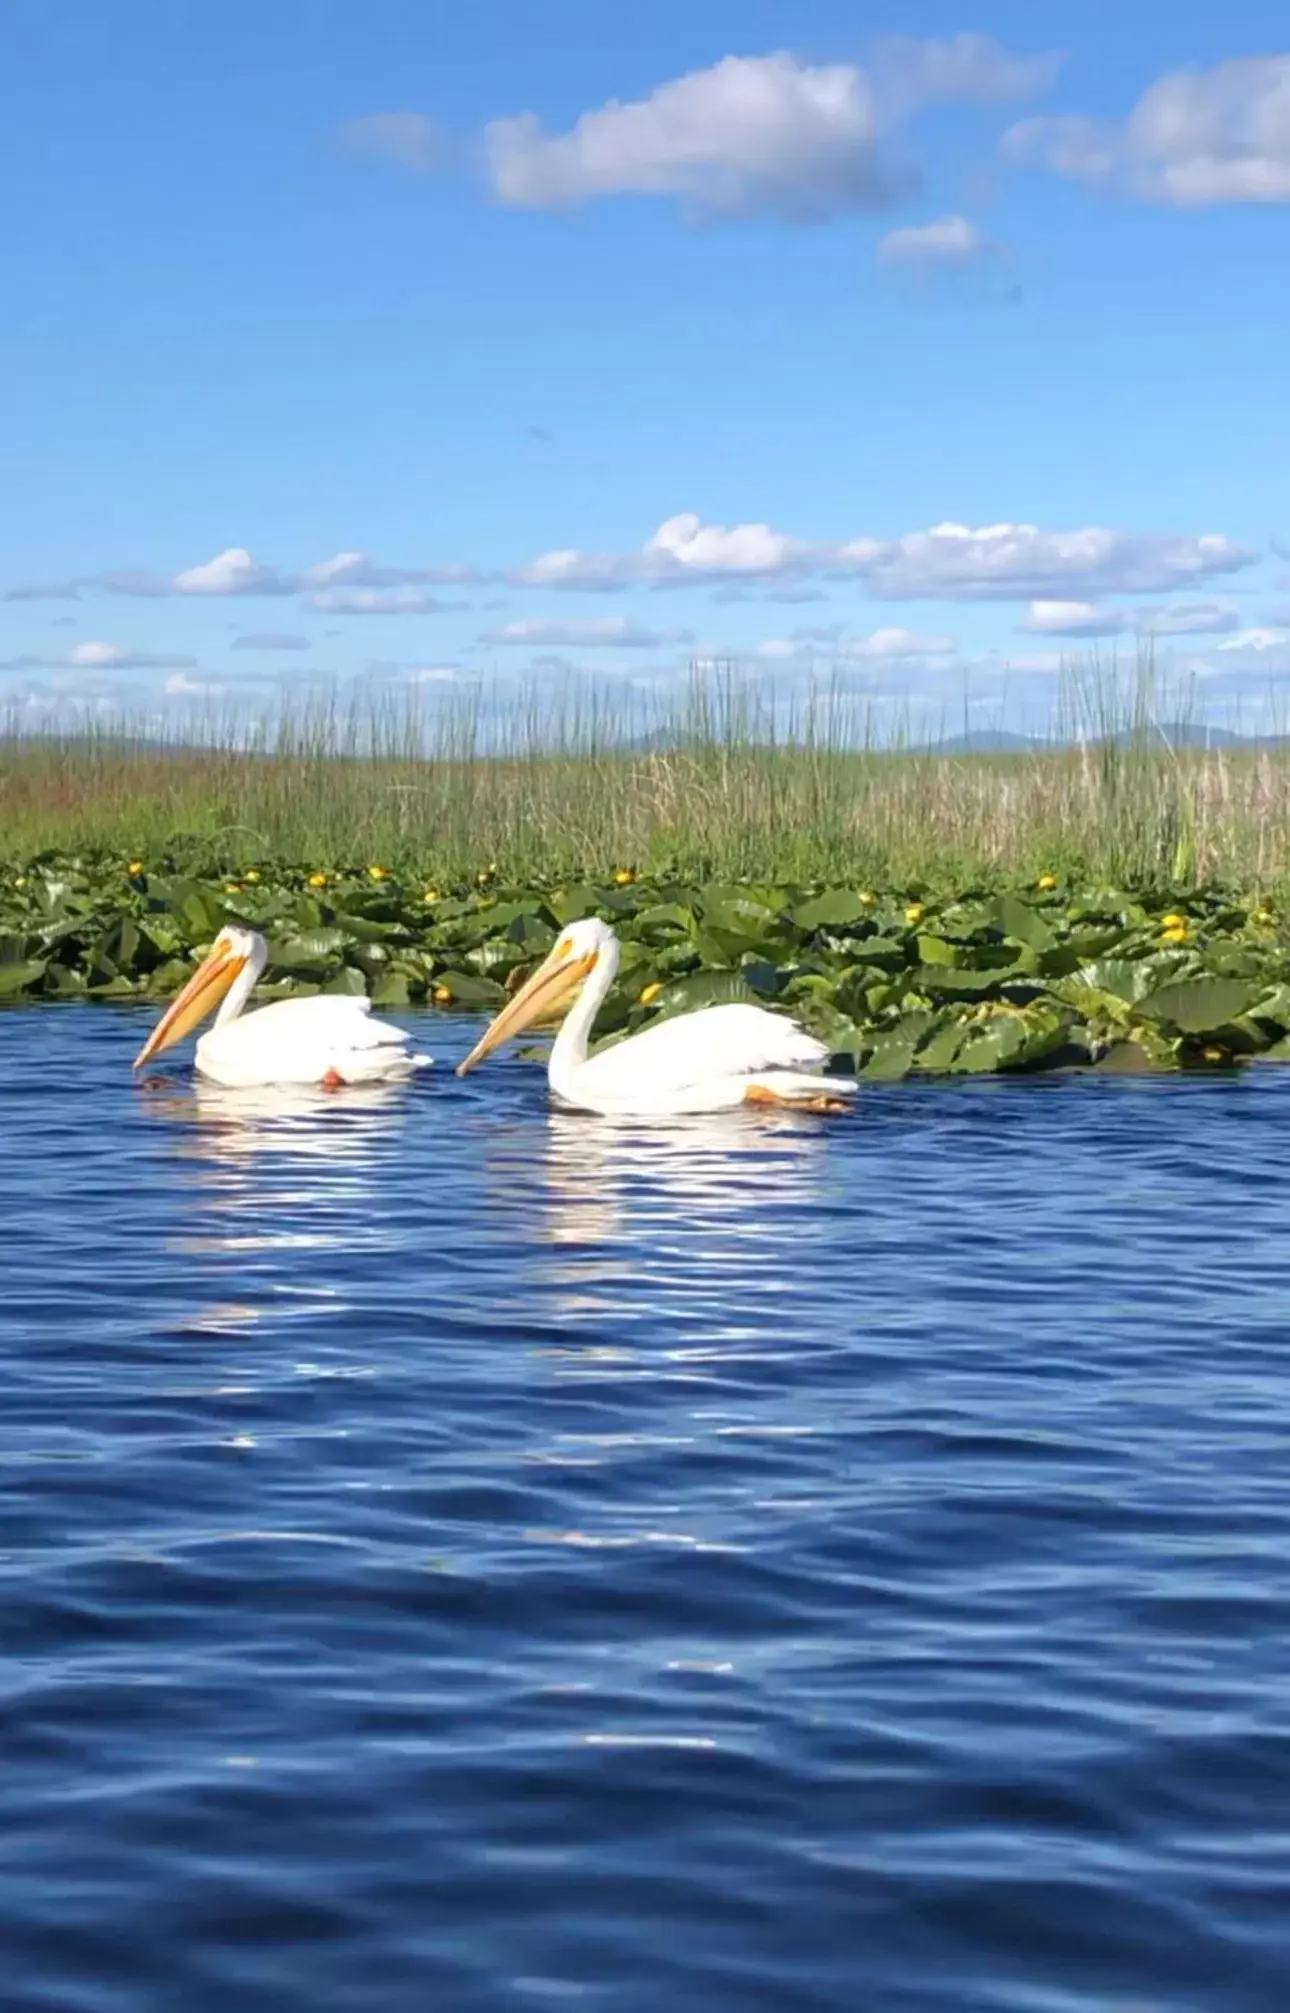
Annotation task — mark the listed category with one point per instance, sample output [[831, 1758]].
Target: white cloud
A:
[[892, 645], [406, 137], [358, 569], [682, 549], [1074, 618], [181, 686], [1254, 639], [948, 241], [1013, 562], [790, 594], [380, 601], [1187, 618], [902, 643], [597, 631], [97, 655], [948, 562], [231, 572], [912, 71], [1244, 658], [1194, 138], [235, 572], [758, 135], [753, 135], [1088, 618]]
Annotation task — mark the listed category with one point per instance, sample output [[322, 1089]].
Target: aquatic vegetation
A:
[[912, 979]]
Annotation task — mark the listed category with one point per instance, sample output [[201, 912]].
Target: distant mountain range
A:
[[1168, 734]]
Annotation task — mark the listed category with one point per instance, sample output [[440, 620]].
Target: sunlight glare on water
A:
[[458, 1553]]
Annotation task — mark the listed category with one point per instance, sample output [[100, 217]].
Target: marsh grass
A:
[[725, 781]]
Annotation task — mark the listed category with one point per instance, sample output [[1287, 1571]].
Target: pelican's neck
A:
[[570, 1050], [243, 985]]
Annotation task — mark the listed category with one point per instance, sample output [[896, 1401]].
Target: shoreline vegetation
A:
[[1113, 901]]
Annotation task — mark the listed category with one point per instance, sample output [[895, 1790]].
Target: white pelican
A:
[[326, 1039], [706, 1061]]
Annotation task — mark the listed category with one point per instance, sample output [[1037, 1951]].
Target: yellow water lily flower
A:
[[1174, 936], [866, 898], [915, 912], [624, 877], [441, 996], [232, 887], [135, 867], [317, 880], [1214, 1054], [378, 873], [252, 875], [1046, 883], [1264, 918], [651, 993], [430, 895], [1173, 921]]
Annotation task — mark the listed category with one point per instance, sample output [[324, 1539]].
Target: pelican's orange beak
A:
[[551, 986], [204, 991]]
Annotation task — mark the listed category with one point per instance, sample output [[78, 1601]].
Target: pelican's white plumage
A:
[[327, 1039], [711, 1060]]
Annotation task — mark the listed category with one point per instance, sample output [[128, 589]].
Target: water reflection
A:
[[282, 1155], [608, 1178], [692, 1221]]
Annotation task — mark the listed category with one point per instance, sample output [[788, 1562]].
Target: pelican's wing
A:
[[719, 1042], [303, 1041]]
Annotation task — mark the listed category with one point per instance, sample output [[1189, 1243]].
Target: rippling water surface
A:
[[459, 1556]]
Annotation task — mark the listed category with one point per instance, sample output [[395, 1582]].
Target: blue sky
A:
[[921, 347]]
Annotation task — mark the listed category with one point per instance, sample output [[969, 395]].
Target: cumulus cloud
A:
[[758, 135], [598, 630], [1088, 618], [408, 138], [891, 645], [231, 572], [752, 136], [1013, 562], [683, 549], [1194, 138], [1074, 618], [270, 639], [96, 655], [947, 242], [359, 569], [948, 562], [235, 572]]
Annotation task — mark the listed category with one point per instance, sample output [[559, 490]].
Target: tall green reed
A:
[[723, 779]]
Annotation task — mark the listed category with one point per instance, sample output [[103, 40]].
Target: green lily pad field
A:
[[900, 981]]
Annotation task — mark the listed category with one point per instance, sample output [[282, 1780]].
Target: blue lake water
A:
[[455, 1555]]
